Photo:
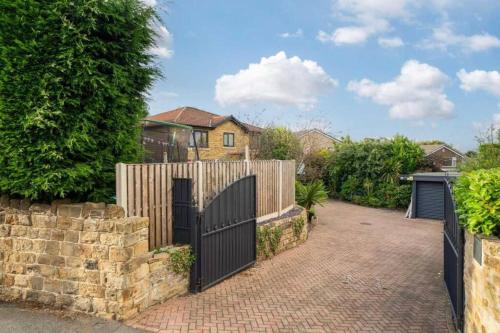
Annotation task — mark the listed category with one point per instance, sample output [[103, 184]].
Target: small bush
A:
[[262, 240], [298, 226], [182, 259], [274, 239], [477, 196], [268, 240]]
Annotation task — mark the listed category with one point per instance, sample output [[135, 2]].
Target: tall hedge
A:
[[477, 195], [73, 77], [368, 172]]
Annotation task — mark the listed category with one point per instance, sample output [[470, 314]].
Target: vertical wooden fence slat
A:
[[138, 196], [169, 204], [163, 193], [152, 216], [157, 184], [130, 190], [145, 198]]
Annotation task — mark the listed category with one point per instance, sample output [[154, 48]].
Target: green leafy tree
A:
[[315, 166], [309, 195], [487, 157], [279, 143], [368, 172], [73, 77]]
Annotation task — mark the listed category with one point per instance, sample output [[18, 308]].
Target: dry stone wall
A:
[[288, 237], [82, 257], [482, 285]]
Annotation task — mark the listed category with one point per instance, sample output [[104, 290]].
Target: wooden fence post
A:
[[200, 185], [280, 186], [121, 186]]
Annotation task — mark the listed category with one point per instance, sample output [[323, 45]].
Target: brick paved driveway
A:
[[362, 270]]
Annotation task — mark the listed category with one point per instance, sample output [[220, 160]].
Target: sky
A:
[[427, 69]]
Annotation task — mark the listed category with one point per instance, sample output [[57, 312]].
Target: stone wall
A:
[[288, 238], [482, 286], [82, 257]]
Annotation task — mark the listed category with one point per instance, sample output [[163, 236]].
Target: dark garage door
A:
[[430, 200]]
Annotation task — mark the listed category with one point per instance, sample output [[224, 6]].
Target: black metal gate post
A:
[[195, 276]]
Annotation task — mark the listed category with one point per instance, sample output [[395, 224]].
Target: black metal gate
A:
[[453, 257], [224, 238]]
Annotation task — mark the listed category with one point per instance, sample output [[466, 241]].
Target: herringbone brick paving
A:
[[362, 270]]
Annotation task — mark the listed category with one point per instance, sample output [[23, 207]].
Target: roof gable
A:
[[315, 130], [431, 149]]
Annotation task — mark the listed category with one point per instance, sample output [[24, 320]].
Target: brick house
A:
[[315, 140], [215, 136], [442, 157]]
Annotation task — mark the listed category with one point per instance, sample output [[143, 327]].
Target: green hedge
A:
[[73, 83], [368, 172], [477, 196]]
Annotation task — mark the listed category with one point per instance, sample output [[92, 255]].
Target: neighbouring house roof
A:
[[147, 122], [199, 118], [305, 132], [431, 149]]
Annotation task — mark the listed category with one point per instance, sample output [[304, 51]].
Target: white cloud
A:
[[390, 42], [367, 18], [480, 80], [296, 34], [417, 93], [276, 79], [444, 37], [163, 42], [345, 35]]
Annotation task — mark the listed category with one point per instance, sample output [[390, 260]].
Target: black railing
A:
[[453, 256]]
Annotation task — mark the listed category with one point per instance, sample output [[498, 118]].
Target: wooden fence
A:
[[146, 189]]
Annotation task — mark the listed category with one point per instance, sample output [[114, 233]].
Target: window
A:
[[228, 139], [201, 139]]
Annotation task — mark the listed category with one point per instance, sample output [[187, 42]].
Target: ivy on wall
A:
[[268, 240]]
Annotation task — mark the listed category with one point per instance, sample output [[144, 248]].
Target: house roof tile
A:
[[195, 117]]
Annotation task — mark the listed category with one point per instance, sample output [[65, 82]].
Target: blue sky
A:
[[427, 69]]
